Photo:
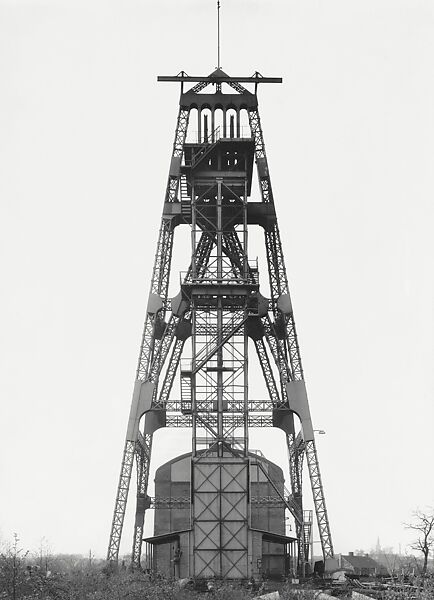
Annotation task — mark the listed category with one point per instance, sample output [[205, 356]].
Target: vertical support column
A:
[[199, 125], [245, 235], [205, 128], [220, 429], [246, 400], [295, 447], [194, 422], [219, 231], [245, 271], [143, 460], [194, 232], [231, 126]]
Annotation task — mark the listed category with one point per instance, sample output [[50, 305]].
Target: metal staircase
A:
[[186, 375], [185, 196], [217, 342], [207, 147]]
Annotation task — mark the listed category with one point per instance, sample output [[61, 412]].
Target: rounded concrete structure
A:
[[269, 550]]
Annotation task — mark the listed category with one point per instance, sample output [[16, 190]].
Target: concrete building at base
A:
[[270, 552]]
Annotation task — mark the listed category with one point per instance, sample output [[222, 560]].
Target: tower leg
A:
[[290, 367], [143, 461], [320, 505], [295, 447], [150, 343], [121, 501]]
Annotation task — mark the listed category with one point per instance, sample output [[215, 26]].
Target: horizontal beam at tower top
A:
[[218, 79]]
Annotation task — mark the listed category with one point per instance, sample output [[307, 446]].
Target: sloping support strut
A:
[[121, 501], [143, 461], [319, 500], [157, 302]]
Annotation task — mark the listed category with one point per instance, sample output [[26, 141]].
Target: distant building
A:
[[361, 565]]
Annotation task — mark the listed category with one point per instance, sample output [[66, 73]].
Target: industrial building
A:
[[272, 553]]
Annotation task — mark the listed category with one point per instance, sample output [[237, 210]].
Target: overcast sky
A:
[[85, 143]]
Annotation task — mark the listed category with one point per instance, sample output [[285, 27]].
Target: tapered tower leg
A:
[[150, 342], [121, 501], [287, 350], [143, 461], [319, 500]]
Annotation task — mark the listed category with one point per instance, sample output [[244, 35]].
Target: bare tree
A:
[[423, 523], [13, 581]]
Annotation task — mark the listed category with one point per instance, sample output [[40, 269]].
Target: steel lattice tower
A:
[[218, 309]]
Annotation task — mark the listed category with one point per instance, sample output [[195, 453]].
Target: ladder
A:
[[186, 375]]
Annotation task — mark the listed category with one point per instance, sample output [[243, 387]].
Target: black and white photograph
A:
[[216, 299]]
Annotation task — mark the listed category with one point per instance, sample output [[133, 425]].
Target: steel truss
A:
[[215, 313]]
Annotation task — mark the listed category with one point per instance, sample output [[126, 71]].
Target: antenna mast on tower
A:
[[218, 35]]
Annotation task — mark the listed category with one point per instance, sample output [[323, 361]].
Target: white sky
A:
[[85, 143]]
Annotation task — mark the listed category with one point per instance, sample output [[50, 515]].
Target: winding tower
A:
[[205, 333]]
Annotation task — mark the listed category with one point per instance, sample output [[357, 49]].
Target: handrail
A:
[[212, 139]]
